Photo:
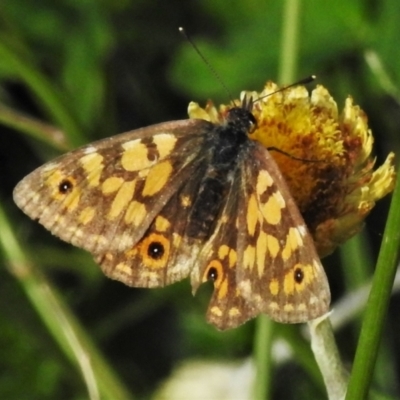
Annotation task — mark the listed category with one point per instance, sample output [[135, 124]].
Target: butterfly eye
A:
[[252, 123], [298, 275], [252, 119], [65, 186]]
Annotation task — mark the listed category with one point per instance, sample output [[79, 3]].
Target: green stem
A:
[[327, 356], [289, 44], [377, 306], [262, 356]]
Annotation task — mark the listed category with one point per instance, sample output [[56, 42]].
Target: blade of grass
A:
[[351, 305], [378, 301], [99, 377], [289, 44], [44, 91], [374, 62], [300, 346], [358, 263], [32, 127]]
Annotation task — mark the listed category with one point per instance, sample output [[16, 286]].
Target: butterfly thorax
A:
[[225, 147]]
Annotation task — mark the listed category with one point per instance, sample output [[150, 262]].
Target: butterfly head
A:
[[242, 117]]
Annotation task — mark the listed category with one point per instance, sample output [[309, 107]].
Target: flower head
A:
[[324, 156]]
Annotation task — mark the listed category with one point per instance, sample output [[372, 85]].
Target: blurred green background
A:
[[95, 68]]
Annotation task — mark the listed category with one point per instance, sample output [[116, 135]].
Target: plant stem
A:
[[262, 356], [327, 356], [377, 306]]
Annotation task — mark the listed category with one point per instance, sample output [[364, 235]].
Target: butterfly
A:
[[187, 198]]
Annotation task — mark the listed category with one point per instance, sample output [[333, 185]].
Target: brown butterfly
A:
[[187, 198]]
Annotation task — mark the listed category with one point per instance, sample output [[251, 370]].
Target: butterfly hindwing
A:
[[165, 254], [279, 270], [218, 262]]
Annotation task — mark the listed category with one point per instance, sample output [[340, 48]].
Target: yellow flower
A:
[[324, 156]]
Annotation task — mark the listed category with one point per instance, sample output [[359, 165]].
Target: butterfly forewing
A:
[[104, 196]]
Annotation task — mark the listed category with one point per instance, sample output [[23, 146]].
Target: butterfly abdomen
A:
[[206, 207]]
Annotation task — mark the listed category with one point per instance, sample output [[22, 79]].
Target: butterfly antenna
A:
[[210, 67], [303, 81]]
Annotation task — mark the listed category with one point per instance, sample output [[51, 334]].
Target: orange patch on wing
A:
[[157, 178]]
